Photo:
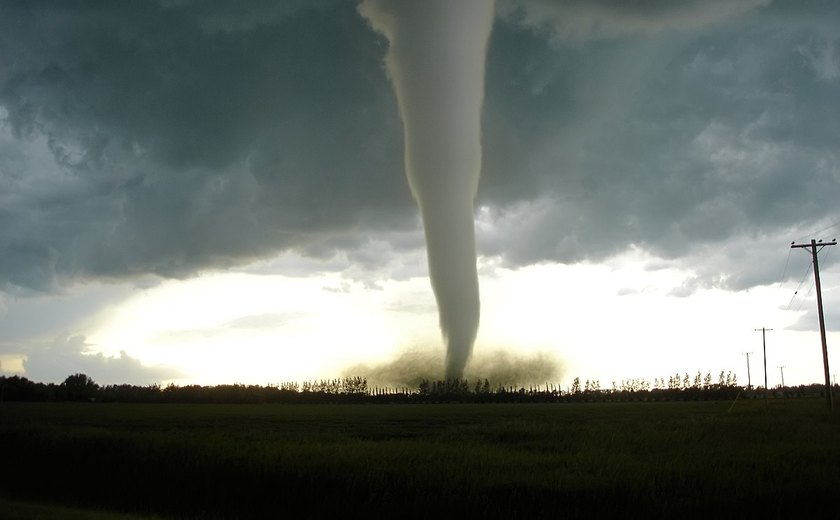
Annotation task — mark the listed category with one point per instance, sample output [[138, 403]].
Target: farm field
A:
[[570, 460]]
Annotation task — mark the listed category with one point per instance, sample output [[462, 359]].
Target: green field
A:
[[681, 459]]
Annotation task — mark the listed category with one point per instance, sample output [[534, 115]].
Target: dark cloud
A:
[[170, 147], [66, 355], [679, 142], [39, 316], [172, 137]]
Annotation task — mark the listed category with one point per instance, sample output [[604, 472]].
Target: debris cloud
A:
[[501, 367]]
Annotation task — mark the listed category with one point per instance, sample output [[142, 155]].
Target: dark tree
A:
[[80, 387]]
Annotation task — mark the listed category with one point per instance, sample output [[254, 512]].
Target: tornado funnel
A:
[[436, 63]]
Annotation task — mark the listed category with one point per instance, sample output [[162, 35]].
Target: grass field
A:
[[686, 459]]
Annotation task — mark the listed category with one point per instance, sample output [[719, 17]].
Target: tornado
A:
[[435, 61]]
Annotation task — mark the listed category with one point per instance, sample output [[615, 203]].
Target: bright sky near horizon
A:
[[215, 193]]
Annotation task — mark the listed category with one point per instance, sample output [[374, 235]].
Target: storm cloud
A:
[[176, 137]]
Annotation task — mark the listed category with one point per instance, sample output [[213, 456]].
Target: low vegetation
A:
[[690, 459], [80, 387]]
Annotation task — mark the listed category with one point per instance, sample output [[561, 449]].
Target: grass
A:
[[489, 461], [16, 510]]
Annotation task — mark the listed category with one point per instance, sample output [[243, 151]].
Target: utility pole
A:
[[764, 348], [813, 247], [782, 370], [749, 380]]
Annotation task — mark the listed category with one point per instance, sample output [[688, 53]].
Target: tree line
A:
[[80, 387]]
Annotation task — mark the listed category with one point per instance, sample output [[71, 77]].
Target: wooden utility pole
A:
[[782, 370], [764, 348], [749, 380], [813, 247]]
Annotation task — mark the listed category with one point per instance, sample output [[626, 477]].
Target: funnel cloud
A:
[[436, 65]]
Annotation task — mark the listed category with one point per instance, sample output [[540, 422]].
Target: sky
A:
[[208, 192]]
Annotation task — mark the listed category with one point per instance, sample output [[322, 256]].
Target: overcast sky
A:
[[664, 151]]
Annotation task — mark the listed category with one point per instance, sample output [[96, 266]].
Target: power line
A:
[[808, 271], [827, 254], [764, 331], [784, 271], [813, 247], [749, 379], [804, 298], [832, 226], [798, 287]]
